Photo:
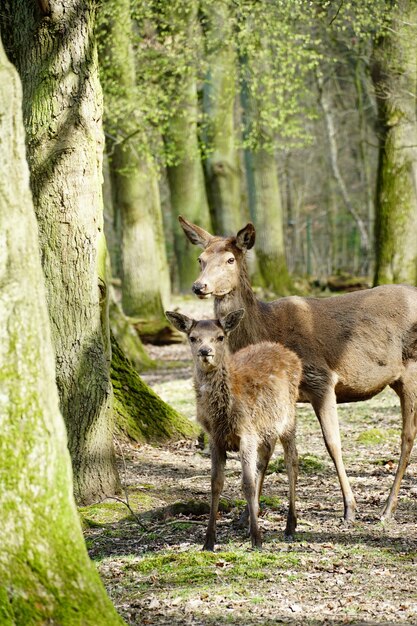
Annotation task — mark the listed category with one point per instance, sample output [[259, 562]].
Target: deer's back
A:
[[362, 339], [264, 380]]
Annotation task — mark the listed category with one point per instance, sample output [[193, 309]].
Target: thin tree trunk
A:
[[62, 109], [46, 576], [326, 105], [222, 164], [395, 80]]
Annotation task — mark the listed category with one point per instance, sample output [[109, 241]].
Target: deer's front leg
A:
[[325, 408], [218, 462]]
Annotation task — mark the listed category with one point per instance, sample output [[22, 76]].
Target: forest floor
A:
[[149, 555]]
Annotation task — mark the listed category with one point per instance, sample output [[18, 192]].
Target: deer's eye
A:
[[231, 260], [193, 339], [220, 338]]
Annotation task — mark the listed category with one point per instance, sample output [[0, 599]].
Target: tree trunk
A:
[[145, 273], [326, 105], [222, 164], [186, 177], [269, 221], [140, 414], [395, 79], [46, 576], [62, 109], [264, 195]]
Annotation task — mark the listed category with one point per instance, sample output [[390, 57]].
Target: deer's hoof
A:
[[208, 547], [256, 541], [289, 536], [349, 515]]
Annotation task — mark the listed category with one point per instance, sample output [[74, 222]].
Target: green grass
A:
[[377, 436], [204, 569], [308, 464]]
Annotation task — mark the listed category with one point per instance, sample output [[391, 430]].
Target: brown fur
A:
[[245, 401], [351, 346]]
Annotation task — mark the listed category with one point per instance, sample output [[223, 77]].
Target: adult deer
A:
[[351, 346]]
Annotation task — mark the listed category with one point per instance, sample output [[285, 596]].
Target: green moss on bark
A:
[[140, 413]]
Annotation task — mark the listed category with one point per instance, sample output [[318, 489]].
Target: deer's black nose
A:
[[199, 288], [204, 351]]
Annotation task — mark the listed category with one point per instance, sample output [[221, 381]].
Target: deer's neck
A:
[[215, 403], [241, 298]]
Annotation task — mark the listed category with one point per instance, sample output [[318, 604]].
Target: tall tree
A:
[[45, 573], [222, 161], [395, 79], [185, 171], [52, 44], [264, 194], [145, 274]]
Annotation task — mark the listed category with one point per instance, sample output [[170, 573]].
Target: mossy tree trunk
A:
[[186, 177], [395, 80], [267, 214], [264, 196], [135, 191], [53, 47], [141, 415], [45, 573], [222, 163]]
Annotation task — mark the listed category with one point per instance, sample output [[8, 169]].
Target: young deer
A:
[[245, 402], [351, 347]]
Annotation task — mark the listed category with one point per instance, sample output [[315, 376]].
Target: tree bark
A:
[[269, 221], [141, 415], [222, 164], [337, 174], [186, 177], [395, 79], [45, 573], [62, 106], [145, 273]]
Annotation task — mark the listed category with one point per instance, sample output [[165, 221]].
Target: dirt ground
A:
[[148, 549]]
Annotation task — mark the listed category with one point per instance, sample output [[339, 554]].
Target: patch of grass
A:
[[98, 515], [182, 525], [272, 502], [170, 569], [308, 464], [376, 436]]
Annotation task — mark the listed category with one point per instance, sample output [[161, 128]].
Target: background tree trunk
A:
[[62, 109], [326, 105], [395, 79], [267, 214], [45, 573], [135, 191], [186, 177], [222, 163]]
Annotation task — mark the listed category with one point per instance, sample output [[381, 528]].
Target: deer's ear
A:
[[231, 320], [198, 236], [245, 238], [181, 322]]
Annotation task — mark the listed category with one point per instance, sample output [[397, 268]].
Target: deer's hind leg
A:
[[264, 456], [291, 462], [406, 389], [248, 457]]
